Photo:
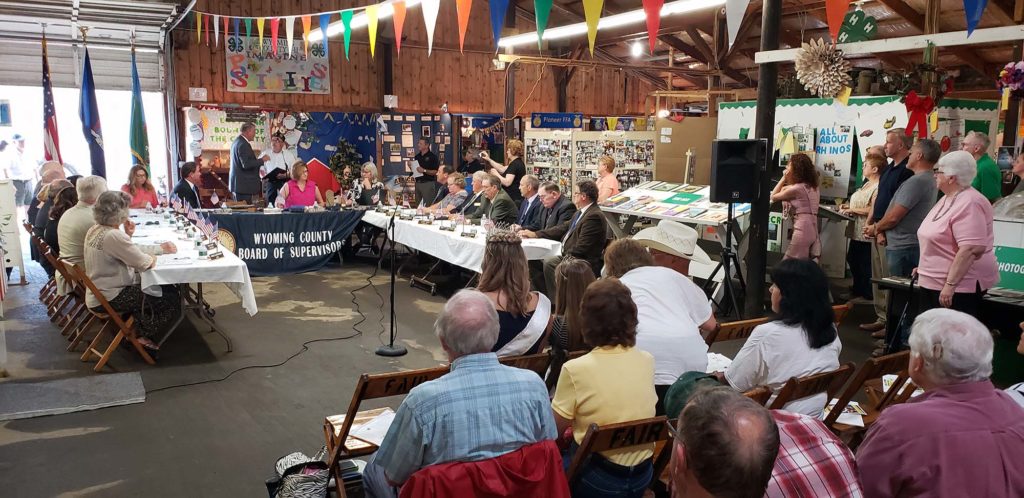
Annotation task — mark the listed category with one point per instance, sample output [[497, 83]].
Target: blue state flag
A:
[[90, 114]]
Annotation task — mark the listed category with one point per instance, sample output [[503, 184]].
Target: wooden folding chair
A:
[[760, 394], [48, 292], [867, 378], [617, 436], [840, 311], [340, 445], [734, 330], [57, 306], [125, 328], [826, 382], [79, 314], [537, 362]]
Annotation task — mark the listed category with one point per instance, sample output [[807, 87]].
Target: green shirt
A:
[[988, 180]]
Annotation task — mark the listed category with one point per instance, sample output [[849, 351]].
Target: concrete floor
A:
[[221, 439]]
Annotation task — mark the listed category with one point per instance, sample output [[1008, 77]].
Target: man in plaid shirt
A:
[[812, 461]]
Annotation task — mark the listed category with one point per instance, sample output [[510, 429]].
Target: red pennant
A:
[[652, 9], [399, 20], [273, 35], [835, 12], [206, 29], [226, 35]]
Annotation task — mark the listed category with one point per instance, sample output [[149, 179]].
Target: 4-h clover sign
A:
[[857, 26]]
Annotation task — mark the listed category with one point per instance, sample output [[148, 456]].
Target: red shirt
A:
[[141, 197], [812, 461]]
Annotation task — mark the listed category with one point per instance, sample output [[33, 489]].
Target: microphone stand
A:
[[391, 349]]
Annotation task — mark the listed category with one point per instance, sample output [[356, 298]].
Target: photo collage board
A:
[[568, 157], [398, 143]]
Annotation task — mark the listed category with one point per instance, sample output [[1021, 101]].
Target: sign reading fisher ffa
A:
[[255, 68], [557, 119]]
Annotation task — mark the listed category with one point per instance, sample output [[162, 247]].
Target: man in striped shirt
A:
[[812, 461]]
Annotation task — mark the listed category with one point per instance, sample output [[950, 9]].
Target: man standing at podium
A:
[[244, 180]]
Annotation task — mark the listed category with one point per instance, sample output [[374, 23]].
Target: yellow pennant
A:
[[259, 29], [612, 122], [1006, 99], [844, 95], [371, 27], [199, 27], [592, 12], [933, 121]]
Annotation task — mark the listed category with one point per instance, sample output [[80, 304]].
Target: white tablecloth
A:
[[185, 267], [451, 246]]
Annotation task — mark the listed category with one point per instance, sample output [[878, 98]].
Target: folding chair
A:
[[57, 305], [537, 362], [80, 319], [48, 292], [760, 394], [617, 436], [734, 330], [125, 329], [867, 378], [841, 310], [340, 445], [826, 382]]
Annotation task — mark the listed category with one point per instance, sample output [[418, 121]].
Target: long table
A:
[[287, 243], [452, 247], [185, 267]]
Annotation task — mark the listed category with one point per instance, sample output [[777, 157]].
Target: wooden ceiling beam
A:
[[971, 57], [697, 40], [680, 45]]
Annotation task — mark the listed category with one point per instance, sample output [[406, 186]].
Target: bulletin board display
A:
[[402, 131]]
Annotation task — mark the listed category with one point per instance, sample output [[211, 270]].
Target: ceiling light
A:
[[358, 21], [614, 21], [637, 49]]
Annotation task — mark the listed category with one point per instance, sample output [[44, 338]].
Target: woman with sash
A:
[[525, 316]]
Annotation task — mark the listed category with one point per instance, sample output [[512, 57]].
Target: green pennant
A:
[[248, 27], [541, 9], [346, 21]]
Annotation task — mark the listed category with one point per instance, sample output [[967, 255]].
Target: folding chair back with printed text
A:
[[869, 373], [734, 330], [337, 428], [826, 382], [616, 436]]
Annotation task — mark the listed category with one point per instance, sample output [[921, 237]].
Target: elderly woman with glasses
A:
[[958, 263], [113, 263]]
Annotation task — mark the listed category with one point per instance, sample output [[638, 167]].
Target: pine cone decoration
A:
[[821, 68]]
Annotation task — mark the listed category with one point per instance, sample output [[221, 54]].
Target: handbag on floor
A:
[[299, 476]]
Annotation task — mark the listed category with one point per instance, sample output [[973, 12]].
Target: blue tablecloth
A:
[[286, 243]]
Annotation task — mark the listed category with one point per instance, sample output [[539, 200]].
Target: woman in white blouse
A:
[[801, 341]]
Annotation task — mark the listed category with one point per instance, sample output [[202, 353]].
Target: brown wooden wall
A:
[[466, 81]]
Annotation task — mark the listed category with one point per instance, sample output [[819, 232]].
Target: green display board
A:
[[1011, 267]]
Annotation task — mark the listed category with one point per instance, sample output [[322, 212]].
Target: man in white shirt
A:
[[77, 221], [277, 157], [21, 172]]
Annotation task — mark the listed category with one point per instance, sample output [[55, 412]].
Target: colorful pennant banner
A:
[[463, 8], [430, 9], [289, 32], [592, 13], [346, 22], [652, 10], [371, 27], [273, 35], [399, 22], [498, 10], [835, 11], [306, 24], [541, 11]]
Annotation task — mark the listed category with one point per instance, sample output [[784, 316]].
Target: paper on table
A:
[[173, 260], [375, 430], [717, 362], [889, 379], [853, 414]]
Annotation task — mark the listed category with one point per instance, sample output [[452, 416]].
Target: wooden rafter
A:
[[916, 19], [680, 45], [697, 40]]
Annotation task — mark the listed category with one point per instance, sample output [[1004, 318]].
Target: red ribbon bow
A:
[[919, 108]]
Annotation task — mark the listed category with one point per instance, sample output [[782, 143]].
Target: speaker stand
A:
[[729, 261]]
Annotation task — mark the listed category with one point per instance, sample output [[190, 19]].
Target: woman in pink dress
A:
[[300, 190], [798, 192], [140, 188], [607, 182]]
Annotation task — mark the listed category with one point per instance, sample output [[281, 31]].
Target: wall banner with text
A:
[[250, 69]]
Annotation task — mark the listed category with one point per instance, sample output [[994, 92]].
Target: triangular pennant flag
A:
[[216, 31], [430, 8], [226, 32], [289, 32], [346, 22], [973, 10], [248, 27], [306, 22], [273, 35], [371, 26], [835, 11], [259, 29], [498, 10], [325, 20], [206, 29], [734, 12], [542, 9], [592, 12], [463, 7], [199, 27], [236, 21], [399, 18], [652, 10]]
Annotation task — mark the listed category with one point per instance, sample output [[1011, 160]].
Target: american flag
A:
[[51, 142]]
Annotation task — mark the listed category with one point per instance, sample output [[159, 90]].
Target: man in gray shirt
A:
[[897, 230]]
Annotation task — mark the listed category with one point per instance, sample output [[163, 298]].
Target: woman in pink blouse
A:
[[300, 190], [607, 182], [798, 192], [140, 188], [958, 263]]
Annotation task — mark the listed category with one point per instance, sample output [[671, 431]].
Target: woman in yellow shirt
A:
[[612, 383]]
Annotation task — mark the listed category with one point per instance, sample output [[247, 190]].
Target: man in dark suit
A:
[[187, 188], [557, 209], [500, 208], [442, 185], [583, 237], [530, 208], [244, 180]]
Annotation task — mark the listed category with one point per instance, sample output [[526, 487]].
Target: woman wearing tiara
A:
[[525, 316]]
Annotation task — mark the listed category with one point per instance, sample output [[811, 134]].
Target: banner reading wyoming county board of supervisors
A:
[[253, 70], [281, 244]]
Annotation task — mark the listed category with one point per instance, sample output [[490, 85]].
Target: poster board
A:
[[398, 143], [633, 151], [548, 155], [219, 130], [675, 138], [10, 230], [251, 68]]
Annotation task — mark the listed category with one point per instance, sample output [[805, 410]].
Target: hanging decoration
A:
[[918, 109], [248, 27], [371, 27], [199, 26], [206, 29], [463, 8], [430, 8], [541, 11], [325, 19], [821, 68], [498, 10], [260, 21], [346, 22], [307, 23], [236, 22], [835, 11], [652, 10], [273, 35], [592, 13], [734, 12], [1011, 78], [216, 31], [289, 32], [857, 26], [973, 9], [398, 20]]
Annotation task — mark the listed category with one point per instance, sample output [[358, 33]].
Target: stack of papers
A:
[[374, 431], [173, 260], [718, 362], [853, 414]]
